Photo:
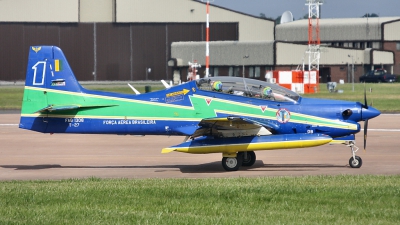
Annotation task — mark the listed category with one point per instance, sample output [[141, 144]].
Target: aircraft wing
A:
[[234, 127]]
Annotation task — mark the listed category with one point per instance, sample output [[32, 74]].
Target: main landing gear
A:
[[232, 162], [355, 161]]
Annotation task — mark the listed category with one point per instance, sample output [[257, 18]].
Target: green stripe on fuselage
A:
[[37, 98], [248, 110]]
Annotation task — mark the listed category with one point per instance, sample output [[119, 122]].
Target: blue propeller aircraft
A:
[[229, 115]]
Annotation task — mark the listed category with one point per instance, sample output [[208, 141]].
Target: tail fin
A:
[[48, 68], [50, 83]]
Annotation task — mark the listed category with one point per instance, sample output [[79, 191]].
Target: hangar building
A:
[[122, 39]]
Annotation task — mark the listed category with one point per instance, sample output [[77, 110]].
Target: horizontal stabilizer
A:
[[53, 108]]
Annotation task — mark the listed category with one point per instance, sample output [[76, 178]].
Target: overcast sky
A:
[[329, 9]]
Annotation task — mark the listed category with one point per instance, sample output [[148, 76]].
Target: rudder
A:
[[48, 68], [48, 78]]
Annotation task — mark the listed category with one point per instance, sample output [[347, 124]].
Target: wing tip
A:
[[167, 150]]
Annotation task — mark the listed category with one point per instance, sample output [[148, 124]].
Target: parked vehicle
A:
[[378, 76]]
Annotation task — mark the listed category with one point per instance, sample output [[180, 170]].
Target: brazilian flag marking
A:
[[58, 65]]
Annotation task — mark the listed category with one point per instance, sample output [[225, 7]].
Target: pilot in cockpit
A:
[[267, 93], [216, 86]]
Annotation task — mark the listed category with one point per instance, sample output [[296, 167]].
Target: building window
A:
[[268, 68], [376, 45], [369, 44], [251, 71], [257, 72], [215, 72], [236, 71], [210, 71], [231, 71], [398, 46]]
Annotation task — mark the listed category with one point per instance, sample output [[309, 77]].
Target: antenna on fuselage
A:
[[166, 85], [134, 89]]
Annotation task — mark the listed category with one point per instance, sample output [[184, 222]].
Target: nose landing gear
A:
[[355, 161]]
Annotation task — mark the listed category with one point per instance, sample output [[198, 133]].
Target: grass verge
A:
[[267, 200], [383, 96]]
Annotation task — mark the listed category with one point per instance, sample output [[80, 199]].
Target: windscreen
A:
[[248, 87]]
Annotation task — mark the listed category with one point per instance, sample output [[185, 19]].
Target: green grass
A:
[[11, 97], [267, 200], [385, 97]]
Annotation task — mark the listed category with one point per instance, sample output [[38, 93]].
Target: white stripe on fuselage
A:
[[378, 130]]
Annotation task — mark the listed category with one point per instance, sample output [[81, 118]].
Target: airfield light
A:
[[148, 70]]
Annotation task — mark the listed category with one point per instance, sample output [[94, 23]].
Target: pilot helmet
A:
[[217, 85], [267, 92]]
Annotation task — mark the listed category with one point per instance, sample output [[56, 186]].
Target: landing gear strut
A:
[[355, 161]]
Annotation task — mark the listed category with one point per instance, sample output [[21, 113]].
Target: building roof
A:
[[225, 53], [343, 29], [270, 53]]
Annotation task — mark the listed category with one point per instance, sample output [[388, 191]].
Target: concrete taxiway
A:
[[28, 155]]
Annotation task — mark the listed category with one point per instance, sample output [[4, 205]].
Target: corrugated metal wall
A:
[[341, 29], [226, 53], [123, 51], [392, 31], [39, 11], [252, 28], [381, 57], [100, 11]]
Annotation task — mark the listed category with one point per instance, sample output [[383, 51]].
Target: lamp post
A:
[[148, 70], [352, 70], [244, 57]]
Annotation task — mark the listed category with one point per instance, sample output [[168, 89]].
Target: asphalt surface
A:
[[28, 155]]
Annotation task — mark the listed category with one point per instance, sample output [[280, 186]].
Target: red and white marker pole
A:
[[207, 41]]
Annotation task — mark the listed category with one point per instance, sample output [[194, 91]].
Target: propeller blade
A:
[[365, 106], [365, 134]]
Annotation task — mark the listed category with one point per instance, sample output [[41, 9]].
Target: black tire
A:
[[232, 163], [355, 163], [250, 159]]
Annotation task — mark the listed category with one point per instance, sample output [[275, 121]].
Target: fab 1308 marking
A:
[[74, 122]]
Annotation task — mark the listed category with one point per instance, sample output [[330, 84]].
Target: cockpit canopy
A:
[[247, 87]]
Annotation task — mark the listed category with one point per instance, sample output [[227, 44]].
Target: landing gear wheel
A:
[[355, 162], [249, 158], [232, 163]]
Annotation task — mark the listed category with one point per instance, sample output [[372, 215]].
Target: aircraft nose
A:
[[369, 113]]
